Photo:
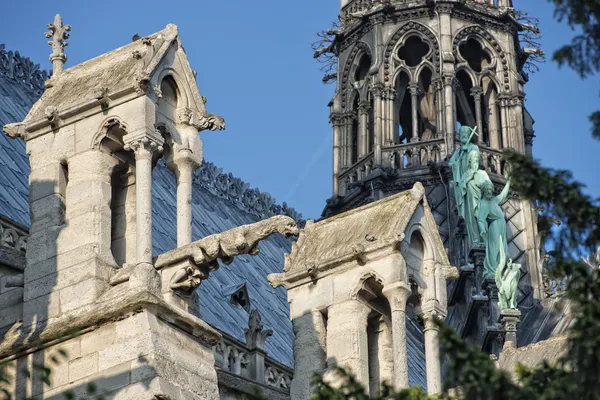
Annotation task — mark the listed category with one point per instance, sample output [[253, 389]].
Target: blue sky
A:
[[255, 66]]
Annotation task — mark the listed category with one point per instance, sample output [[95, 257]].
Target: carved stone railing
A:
[[277, 375], [22, 69], [12, 236], [358, 6], [358, 171], [491, 159], [413, 155], [236, 358], [239, 193]]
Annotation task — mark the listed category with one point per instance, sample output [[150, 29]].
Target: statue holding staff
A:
[[459, 163]]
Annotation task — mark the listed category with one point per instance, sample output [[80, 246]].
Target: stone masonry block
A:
[[125, 350], [62, 278], [98, 339], [83, 366], [41, 308], [46, 181], [81, 294]]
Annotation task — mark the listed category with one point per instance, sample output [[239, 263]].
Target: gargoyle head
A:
[[211, 122], [284, 225]]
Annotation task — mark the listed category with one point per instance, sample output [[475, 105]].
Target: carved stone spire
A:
[[256, 335], [59, 34]]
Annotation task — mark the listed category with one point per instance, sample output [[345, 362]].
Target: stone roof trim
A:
[[531, 356], [117, 73], [239, 193], [370, 228], [22, 69]]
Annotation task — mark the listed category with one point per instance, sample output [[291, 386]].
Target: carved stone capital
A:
[[397, 295], [336, 119], [143, 145], [377, 89], [414, 89], [363, 107], [477, 92]]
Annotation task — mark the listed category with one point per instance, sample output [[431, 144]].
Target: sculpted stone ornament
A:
[[59, 34], [492, 226], [256, 335], [224, 246]]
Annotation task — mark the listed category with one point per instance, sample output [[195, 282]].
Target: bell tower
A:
[[409, 75]]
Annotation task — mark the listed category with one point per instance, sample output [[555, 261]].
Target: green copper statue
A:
[[492, 226], [472, 183], [459, 162], [507, 281]]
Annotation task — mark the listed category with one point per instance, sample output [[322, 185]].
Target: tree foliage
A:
[[583, 53]]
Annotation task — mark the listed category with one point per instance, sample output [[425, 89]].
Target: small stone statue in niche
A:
[[492, 226]]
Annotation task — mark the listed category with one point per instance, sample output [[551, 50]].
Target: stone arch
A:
[[484, 37], [107, 136], [407, 30], [363, 280], [183, 94], [349, 68]]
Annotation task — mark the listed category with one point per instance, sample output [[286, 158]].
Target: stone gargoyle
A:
[[224, 246]]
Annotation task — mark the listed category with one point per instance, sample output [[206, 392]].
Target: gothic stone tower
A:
[[409, 74]]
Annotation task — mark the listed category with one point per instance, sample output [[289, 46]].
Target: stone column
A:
[[309, 352], [397, 294], [390, 93], [143, 145], [477, 92], [494, 118], [449, 110], [439, 107], [379, 123], [347, 341], [414, 98], [509, 319], [432, 352], [336, 120], [184, 163], [504, 118], [518, 132], [363, 128], [349, 124]]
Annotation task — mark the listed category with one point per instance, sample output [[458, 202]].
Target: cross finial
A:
[[59, 34]]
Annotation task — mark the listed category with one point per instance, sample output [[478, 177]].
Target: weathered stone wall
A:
[[138, 357]]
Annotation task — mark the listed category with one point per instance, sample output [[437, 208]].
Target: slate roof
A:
[[15, 101]]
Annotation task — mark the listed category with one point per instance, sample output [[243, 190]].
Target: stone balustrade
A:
[[358, 170], [491, 160], [12, 236], [412, 155], [235, 357], [358, 6]]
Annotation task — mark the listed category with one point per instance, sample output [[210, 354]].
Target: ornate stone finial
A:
[[255, 334], [59, 34]]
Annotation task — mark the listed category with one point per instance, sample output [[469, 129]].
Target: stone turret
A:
[[93, 139], [409, 75]]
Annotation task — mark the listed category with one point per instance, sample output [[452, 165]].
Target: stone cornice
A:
[[231, 188]]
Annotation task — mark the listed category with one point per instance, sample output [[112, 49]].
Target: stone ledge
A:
[[20, 340], [246, 386]]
